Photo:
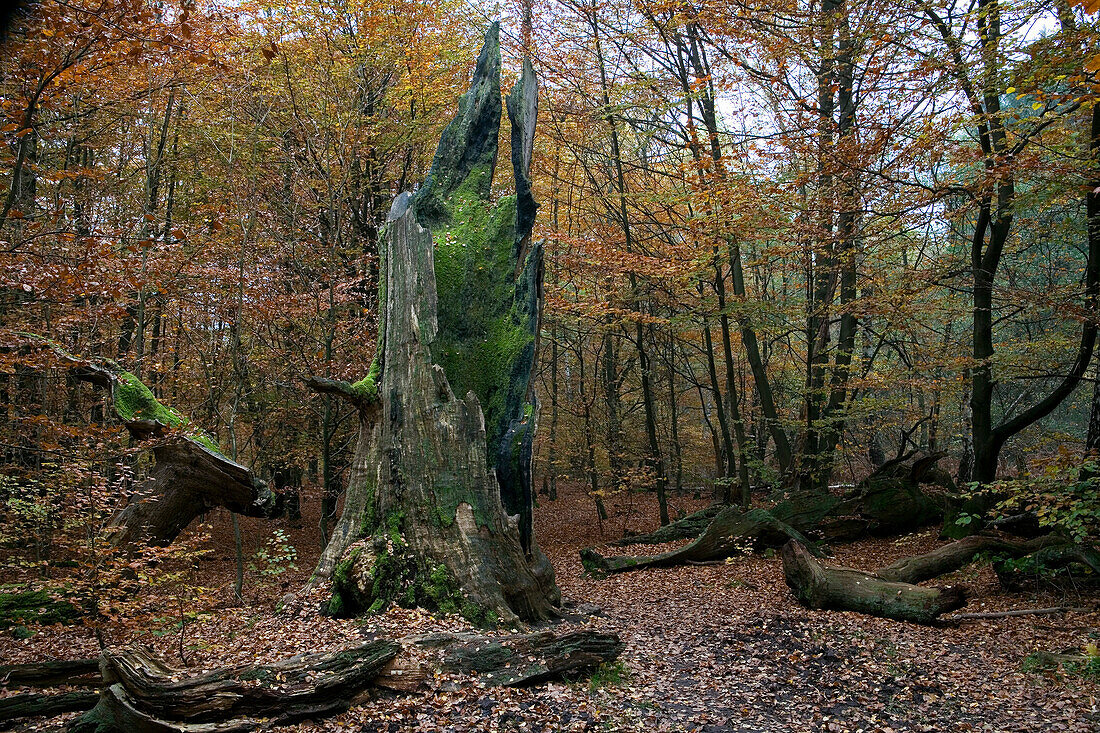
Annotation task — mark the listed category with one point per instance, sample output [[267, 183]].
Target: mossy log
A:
[[960, 553], [1050, 555], [692, 525], [37, 704], [844, 589], [730, 533], [35, 606], [439, 504], [526, 659], [190, 476], [52, 673], [147, 695]]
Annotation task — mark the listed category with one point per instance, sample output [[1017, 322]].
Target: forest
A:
[[587, 365]]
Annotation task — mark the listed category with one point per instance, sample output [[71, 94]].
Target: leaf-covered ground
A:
[[709, 648]]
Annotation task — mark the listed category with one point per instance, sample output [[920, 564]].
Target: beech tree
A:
[[438, 509]]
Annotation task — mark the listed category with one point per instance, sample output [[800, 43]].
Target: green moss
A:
[[22, 607], [483, 332], [367, 387], [608, 674], [135, 401], [206, 441]]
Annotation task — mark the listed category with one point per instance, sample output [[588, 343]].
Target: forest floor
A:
[[708, 648]]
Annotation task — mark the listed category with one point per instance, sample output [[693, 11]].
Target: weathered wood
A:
[[730, 533], [692, 525], [1050, 555], [50, 674], [189, 479], [148, 696], [1015, 612], [524, 659], [146, 693], [190, 476], [33, 704], [957, 554], [844, 589], [438, 507]]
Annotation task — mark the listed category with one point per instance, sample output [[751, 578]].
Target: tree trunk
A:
[[844, 589], [438, 508]]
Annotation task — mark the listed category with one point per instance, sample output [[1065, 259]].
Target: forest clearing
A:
[[580, 366]]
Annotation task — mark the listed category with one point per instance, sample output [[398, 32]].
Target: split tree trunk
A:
[[145, 695], [438, 511]]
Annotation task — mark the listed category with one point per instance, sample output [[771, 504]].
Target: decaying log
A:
[[1015, 612], [53, 673], [692, 525], [528, 659], [144, 695], [888, 500], [148, 695], [957, 554], [729, 534], [1052, 556], [34, 704], [190, 477], [844, 589]]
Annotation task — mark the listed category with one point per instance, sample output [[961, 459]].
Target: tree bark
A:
[[844, 589], [439, 504], [958, 554], [144, 695]]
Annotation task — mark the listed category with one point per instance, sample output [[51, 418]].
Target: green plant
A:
[[1062, 492], [276, 557], [608, 674]]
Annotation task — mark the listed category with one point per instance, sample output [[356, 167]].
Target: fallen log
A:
[[888, 500], [1015, 612], [730, 533], [144, 695], [29, 705], [845, 589], [527, 659], [958, 554], [147, 695], [1012, 572], [83, 672], [692, 525]]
